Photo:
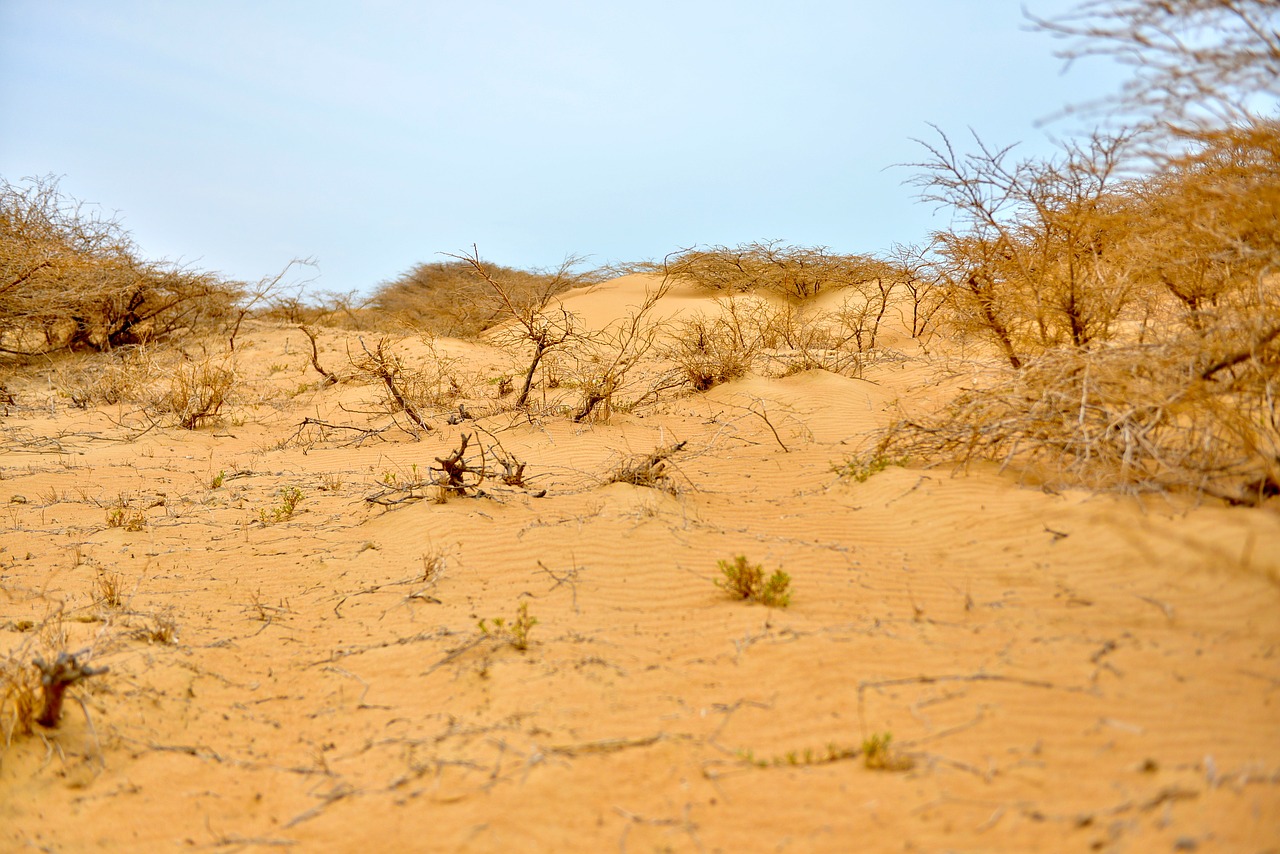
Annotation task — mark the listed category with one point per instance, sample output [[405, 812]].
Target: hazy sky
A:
[[236, 135]]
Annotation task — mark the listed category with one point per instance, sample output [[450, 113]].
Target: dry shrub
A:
[[792, 271], [71, 278], [748, 333], [197, 391], [384, 365], [650, 470], [1198, 413], [167, 387], [463, 297], [109, 379], [437, 380], [602, 362], [710, 351], [22, 694], [1140, 317]]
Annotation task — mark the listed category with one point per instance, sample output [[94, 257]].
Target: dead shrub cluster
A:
[[649, 470], [19, 697], [748, 333], [1143, 417], [165, 386], [1134, 299], [72, 278], [798, 272]]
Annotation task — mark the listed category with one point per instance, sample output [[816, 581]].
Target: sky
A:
[[236, 135]]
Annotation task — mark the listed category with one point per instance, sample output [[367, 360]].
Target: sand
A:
[[1058, 670]]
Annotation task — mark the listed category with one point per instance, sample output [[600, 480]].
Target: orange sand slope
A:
[[1058, 671]]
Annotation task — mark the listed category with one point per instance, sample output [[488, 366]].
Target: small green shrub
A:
[[743, 580], [863, 468], [290, 497], [516, 632], [879, 755]]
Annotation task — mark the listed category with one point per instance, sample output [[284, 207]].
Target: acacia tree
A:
[[915, 268], [1050, 255], [1031, 262], [798, 272], [1194, 61], [1206, 235], [70, 277]]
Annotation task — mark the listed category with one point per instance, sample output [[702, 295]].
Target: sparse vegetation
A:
[[121, 515], [108, 591], [290, 498], [863, 468], [878, 754], [515, 632], [1092, 320], [744, 580]]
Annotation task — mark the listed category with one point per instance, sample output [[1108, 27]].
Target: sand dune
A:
[[1057, 670]]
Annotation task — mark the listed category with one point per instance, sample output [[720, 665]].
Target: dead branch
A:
[[56, 678], [329, 378], [361, 433], [386, 367], [456, 469]]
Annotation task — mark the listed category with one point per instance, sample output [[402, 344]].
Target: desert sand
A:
[[1058, 670]]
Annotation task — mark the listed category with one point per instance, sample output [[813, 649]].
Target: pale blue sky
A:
[[236, 135]]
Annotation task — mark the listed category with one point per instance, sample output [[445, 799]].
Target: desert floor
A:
[[1058, 670]]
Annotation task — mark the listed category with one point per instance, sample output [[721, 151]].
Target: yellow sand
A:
[[1062, 671]]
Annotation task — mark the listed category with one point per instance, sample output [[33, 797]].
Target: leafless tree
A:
[[535, 319], [1193, 60]]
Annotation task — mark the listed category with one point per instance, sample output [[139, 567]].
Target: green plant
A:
[[743, 580], [290, 497], [217, 480], [516, 632], [831, 753], [879, 755], [863, 468]]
